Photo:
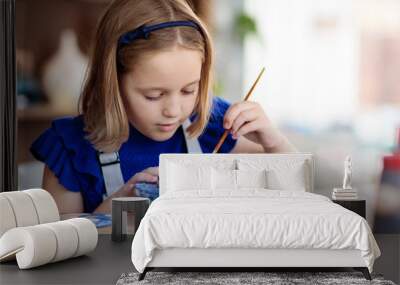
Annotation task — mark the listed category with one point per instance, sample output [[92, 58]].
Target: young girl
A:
[[147, 92]]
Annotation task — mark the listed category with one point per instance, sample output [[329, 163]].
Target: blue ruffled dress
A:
[[73, 159]]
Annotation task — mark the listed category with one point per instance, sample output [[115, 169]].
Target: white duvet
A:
[[252, 218]]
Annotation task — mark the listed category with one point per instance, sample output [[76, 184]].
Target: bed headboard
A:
[[231, 161]]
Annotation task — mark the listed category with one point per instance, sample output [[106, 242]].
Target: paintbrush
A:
[[222, 139]]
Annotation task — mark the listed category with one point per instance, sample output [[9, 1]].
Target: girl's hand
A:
[[147, 175], [248, 119]]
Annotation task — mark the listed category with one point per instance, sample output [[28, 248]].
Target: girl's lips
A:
[[167, 127]]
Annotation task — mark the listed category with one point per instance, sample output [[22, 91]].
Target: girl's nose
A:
[[172, 107]]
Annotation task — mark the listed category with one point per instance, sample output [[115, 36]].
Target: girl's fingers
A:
[[246, 116], [234, 110], [127, 187], [146, 177], [151, 170], [247, 128], [142, 177]]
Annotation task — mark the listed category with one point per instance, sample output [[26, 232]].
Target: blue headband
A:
[[144, 31]]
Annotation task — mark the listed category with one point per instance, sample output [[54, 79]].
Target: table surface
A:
[[104, 265]]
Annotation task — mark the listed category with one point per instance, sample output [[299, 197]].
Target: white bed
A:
[[203, 220]]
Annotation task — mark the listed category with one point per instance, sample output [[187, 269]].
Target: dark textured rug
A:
[[229, 278]]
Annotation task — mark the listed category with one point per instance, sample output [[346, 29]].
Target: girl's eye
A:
[[152, 98], [188, 92]]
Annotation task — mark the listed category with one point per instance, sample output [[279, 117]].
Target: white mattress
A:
[[252, 218]]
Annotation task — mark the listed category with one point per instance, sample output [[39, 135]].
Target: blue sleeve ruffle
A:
[[71, 157], [214, 130]]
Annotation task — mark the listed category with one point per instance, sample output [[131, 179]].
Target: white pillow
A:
[[182, 177], [282, 174], [229, 179], [251, 178], [223, 179], [291, 179]]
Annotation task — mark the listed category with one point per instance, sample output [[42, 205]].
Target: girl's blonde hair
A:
[[101, 103]]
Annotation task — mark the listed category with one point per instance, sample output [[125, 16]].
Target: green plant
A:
[[245, 25]]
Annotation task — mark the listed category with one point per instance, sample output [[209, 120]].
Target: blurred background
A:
[[332, 81], [332, 84]]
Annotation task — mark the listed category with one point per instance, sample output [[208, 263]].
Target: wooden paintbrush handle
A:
[[222, 139]]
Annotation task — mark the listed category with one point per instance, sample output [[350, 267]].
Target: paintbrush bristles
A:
[[222, 139]]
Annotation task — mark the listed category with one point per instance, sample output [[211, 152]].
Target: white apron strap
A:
[[112, 174], [193, 145]]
